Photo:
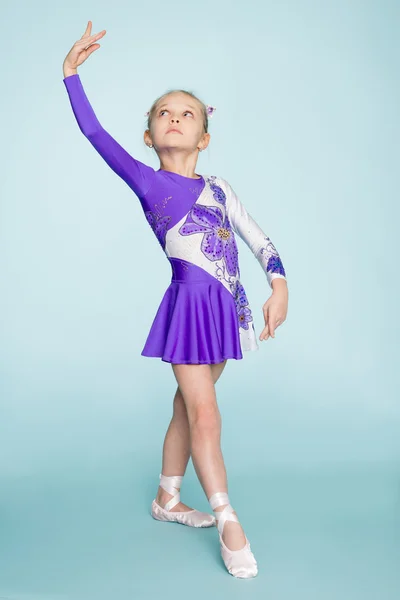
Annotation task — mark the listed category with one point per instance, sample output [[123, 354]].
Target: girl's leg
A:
[[176, 448], [197, 387]]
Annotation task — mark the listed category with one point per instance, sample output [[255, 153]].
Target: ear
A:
[[205, 140], [147, 137]]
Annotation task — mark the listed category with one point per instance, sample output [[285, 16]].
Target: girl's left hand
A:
[[275, 311]]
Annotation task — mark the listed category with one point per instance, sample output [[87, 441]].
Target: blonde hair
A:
[[202, 105]]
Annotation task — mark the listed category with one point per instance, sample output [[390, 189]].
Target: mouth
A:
[[174, 131]]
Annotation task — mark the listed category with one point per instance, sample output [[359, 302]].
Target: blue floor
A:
[[325, 534]]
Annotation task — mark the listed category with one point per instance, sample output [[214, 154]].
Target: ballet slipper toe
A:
[[192, 518], [239, 563]]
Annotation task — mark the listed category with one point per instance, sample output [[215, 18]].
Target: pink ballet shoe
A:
[[240, 563], [192, 518]]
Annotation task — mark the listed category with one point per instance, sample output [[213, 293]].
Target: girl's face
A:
[[177, 123]]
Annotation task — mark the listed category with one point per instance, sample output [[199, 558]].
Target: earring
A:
[[150, 145]]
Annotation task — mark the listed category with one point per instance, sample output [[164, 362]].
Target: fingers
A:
[[271, 324], [86, 40], [92, 48], [87, 37], [88, 29], [274, 316], [264, 335]]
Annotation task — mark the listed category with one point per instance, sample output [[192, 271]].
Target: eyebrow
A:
[[189, 105]]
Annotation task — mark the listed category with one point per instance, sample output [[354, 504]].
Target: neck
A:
[[179, 163]]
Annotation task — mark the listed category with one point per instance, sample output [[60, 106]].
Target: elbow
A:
[[92, 132]]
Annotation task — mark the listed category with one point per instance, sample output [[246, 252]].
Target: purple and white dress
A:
[[204, 315]]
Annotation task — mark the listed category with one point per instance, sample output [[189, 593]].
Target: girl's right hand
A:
[[81, 50]]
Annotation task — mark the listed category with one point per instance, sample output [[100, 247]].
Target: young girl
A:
[[204, 317]]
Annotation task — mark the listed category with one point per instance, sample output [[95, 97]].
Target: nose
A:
[[174, 120]]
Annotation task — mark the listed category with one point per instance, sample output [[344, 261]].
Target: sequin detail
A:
[[158, 225], [218, 240], [242, 304], [218, 192], [274, 262]]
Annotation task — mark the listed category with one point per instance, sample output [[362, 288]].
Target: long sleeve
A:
[[259, 243], [136, 174]]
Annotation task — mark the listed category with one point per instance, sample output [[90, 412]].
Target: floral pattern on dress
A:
[[274, 264], [158, 225], [218, 192], [242, 305], [218, 239]]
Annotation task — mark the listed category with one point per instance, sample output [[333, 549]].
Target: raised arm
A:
[[259, 243], [136, 174]]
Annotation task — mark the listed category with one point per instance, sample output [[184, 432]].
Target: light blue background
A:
[[307, 133]]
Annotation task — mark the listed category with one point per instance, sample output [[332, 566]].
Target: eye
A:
[[165, 110]]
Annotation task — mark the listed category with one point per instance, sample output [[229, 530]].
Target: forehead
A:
[[177, 98]]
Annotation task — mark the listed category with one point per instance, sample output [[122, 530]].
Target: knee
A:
[[179, 406], [206, 419]]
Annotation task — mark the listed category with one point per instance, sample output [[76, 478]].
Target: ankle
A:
[[168, 494], [219, 501], [163, 496], [221, 508]]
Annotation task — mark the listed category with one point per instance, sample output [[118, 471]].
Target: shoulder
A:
[[216, 181]]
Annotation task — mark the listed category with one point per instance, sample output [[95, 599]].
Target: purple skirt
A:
[[196, 322]]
